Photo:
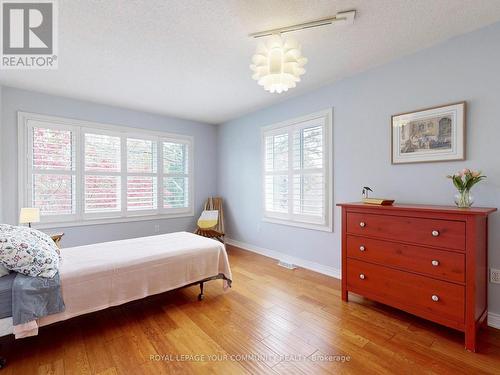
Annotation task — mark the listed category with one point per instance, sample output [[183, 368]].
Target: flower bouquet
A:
[[464, 181]]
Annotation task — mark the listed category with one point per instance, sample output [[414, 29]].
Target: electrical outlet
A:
[[157, 228], [494, 276]]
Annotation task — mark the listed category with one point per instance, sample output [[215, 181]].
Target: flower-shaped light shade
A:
[[278, 64]]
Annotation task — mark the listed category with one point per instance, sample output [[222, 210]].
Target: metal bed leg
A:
[[201, 295]]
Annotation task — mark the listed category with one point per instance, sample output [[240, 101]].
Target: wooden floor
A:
[[286, 319]]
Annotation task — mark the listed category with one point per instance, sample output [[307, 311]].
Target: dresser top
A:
[[422, 207]]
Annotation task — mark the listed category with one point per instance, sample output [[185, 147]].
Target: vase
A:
[[464, 199]]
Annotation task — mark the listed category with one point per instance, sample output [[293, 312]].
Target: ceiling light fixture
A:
[[278, 64]]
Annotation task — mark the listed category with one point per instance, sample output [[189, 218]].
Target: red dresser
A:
[[431, 261]]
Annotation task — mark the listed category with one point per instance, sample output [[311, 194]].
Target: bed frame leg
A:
[[3, 362], [201, 295]]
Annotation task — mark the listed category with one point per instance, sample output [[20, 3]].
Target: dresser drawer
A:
[[436, 300], [440, 233], [446, 265]]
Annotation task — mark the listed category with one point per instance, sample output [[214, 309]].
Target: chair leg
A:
[[201, 295]]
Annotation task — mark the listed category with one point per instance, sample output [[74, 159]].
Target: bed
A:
[[95, 277]]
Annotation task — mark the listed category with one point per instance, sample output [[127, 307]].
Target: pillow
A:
[[28, 251]]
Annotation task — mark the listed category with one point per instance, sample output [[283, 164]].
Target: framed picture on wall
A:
[[430, 134]]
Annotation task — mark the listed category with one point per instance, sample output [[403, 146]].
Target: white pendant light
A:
[[278, 64]]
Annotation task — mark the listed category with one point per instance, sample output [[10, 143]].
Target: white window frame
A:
[[79, 128], [289, 127]]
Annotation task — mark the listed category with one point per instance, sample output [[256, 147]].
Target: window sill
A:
[[319, 227], [66, 224]]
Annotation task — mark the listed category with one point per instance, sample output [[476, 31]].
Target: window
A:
[[77, 172], [53, 174], [175, 170], [297, 163], [102, 172], [142, 179]]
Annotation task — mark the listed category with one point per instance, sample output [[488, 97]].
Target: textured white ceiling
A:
[[190, 58]]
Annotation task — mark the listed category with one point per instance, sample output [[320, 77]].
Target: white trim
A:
[[304, 225], [110, 221], [79, 128], [65, 121], [307, 264], [327, 170], [494, 320], [298, 120]]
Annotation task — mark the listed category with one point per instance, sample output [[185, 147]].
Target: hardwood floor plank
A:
[[288, 368], [75, 354], [288, 344], [100, 358], [109, 371], [53, 368], [197, 343], [426, 356]]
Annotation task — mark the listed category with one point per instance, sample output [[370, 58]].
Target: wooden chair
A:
[[207, 228]]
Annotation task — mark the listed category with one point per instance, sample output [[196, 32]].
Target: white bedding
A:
[[95, 277]]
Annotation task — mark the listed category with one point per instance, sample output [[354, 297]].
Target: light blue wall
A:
[[14, 100], [464, 68]]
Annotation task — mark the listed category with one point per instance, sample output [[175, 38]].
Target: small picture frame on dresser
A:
[[429, 134]]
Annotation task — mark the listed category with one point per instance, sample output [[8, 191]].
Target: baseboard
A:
[[313, 266], [494, 320]]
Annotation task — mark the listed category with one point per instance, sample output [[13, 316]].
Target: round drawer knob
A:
[[362, 276], [435, 298], [435, 233], [435, 263], [362, 224], [362, 248]]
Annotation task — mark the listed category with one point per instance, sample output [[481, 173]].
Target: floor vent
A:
[[290, 266]]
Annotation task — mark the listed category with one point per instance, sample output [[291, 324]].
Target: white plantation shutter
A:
[[51, 163], [276, 180], [102, 153], [102, 183], [102, 193], [308, 176], [142, 179], [296, 172], [141, 193], [141, 156], [77, 171], [175, 175]]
